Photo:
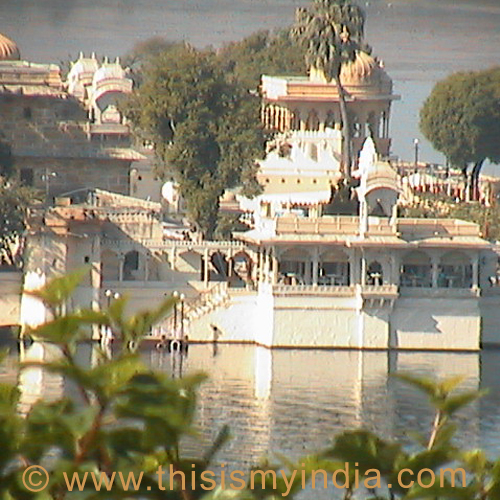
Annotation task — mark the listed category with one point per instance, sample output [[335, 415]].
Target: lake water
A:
[[294, 401], [421, 41]]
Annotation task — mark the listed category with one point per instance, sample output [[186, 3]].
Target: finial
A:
[[93, 55]]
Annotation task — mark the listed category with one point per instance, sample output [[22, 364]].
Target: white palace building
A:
[[364, 281]]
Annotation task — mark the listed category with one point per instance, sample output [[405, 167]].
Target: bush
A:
[[129, 418]]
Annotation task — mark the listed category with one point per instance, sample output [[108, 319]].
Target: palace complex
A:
[[312, 270]]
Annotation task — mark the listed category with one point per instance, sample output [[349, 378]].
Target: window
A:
[[27, 113]]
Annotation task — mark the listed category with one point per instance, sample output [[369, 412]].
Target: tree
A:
[[206, 129], [461, 118], [263, 52], [331, 33], [144, 51], [6, 160], [119, 432], [14, 200]]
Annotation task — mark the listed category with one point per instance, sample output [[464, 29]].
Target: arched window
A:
[[455, 271], [334, 268], [312, 121], [330, 120], [416, 270], [294, 267], [374, 273], [131, 266], [295, 121]]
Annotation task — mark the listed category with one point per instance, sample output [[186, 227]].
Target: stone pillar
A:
[[322, 120], [146, 267], [352, 267], [475, 272], [435, 270], [230, 264], [315, 266], [173, 258], [121, 264], [95, 272], [268, 276], [303, 121], [261, 265], [363, 268], [274, 267], [394, 278], [206, 273]]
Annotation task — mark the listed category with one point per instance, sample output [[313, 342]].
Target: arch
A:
[[374, 273], [131, 266], [312, 121], [334, 268], [455, 270], [110, 265], [220, 263], [242, 265], [371, 125], [294, 267], [416, 269], [330, 120], [295, 120]]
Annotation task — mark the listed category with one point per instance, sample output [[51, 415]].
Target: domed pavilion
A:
[[9, 51], [311, 103]]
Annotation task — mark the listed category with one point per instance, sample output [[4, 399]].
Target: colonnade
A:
[[370, 121]]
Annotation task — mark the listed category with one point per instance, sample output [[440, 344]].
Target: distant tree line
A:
[[461, 118]]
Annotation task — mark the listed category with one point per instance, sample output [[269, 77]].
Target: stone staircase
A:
[[171, 327]]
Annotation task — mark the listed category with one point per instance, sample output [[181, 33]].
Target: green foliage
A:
[[331, 34], [6, 160], [442, 206], [14, 202], [461, 118], [262, 53], [205, 127], [128, 418]]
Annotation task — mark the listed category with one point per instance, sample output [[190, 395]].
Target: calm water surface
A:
[[421, 41], [295, 401]]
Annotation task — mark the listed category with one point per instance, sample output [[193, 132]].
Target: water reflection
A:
[[295, 401]]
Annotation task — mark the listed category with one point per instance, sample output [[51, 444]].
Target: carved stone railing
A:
[[310, 290], [426, 292], [206, 302], [374, 296]]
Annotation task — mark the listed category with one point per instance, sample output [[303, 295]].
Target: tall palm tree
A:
[[331, 32]]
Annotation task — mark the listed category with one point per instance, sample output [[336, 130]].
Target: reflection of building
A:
[[313, 395]]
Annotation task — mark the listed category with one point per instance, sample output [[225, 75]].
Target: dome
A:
[[364, 71], [9, 51], [109, 70]]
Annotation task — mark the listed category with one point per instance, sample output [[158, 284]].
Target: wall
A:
[[490, 315], [241, 321], [436, 323], [10, 297]]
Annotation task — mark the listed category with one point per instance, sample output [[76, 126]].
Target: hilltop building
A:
[[69, 135]]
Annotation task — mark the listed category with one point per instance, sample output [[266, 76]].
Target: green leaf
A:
[[58, 290], [223, 436]]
